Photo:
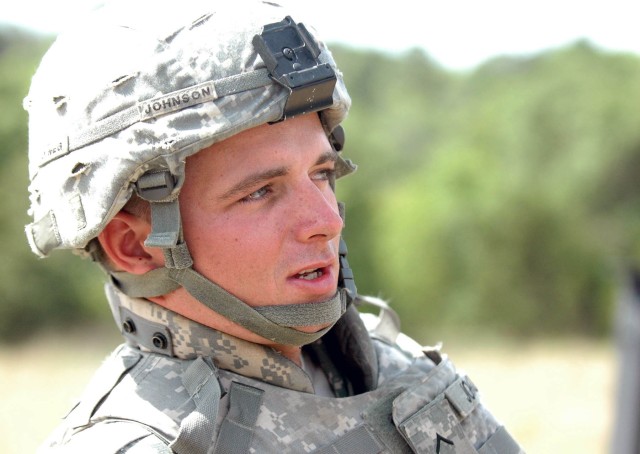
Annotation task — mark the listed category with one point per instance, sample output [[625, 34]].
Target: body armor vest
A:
[[190, 406]]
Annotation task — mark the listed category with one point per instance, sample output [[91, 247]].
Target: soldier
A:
[[192, 151]]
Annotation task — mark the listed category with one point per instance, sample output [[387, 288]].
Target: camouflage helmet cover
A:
[[141, 86]]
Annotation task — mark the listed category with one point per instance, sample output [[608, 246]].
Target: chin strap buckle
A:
[[157, 188]]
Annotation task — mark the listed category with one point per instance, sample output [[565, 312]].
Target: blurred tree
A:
[[494, 219], [35, 294]]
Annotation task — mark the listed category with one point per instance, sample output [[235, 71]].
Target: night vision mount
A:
[[291, 56]]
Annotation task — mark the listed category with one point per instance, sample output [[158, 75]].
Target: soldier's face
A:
[[260, 217]]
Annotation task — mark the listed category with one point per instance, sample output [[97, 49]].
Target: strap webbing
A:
[[305, 314], [197, 430], [388, 327], [42, 235], [357, 441], [165, 225], [236, 432], [148, 285]]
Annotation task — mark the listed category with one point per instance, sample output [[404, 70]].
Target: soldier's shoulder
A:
[[125, 398], [110, 437]]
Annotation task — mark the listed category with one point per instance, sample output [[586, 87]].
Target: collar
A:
[[153, 328]]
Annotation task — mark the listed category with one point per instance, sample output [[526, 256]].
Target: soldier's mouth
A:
[[309, 275]]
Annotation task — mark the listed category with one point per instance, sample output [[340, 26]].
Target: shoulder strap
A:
[[197, 430], [236, 432]]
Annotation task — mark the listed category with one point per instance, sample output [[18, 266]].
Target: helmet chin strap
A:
[[275, 322]]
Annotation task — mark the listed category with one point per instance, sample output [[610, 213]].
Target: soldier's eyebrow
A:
[[327, 156], [252, 180]]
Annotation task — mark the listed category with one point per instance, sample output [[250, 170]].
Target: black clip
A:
[[337, 137], [345, 277], [291, 56]]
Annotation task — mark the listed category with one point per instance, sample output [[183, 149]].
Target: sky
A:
[[458, 34]]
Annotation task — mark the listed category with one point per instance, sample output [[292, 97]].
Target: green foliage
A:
[[503, 207], [61, 290], [502, 198]]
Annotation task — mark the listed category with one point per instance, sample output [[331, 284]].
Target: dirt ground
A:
[[552, 396]]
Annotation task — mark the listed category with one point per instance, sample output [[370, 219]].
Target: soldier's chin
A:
[[312, 328]]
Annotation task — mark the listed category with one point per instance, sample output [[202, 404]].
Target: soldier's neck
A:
[[290, 352]]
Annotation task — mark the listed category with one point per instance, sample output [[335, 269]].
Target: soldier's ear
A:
[[123, 243]]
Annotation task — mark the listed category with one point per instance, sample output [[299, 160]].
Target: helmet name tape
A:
[[177, 100], [291, 55]]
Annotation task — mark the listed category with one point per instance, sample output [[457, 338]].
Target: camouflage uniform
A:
[[205, 391]]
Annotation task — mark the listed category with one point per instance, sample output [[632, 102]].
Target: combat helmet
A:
[[120, 101]]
